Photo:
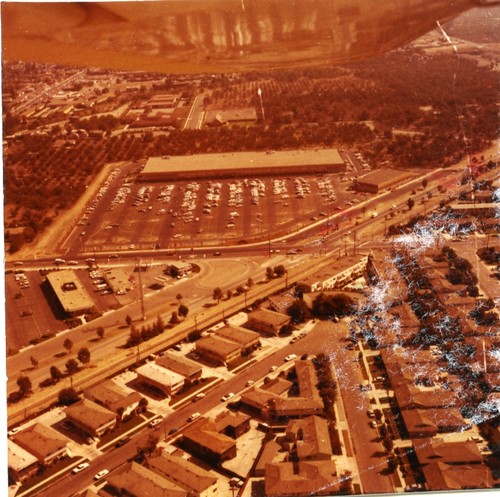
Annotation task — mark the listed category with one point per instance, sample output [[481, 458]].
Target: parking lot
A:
[[136, 216]]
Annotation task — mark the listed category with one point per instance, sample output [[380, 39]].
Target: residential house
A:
[[22, 465], [112, 396], [135, 480], [91, 418], [198, 482], [45, 443], [267, 322]]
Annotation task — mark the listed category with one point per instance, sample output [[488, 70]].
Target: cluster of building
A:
[[428, 394]]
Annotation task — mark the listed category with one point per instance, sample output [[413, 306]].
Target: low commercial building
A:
[[350, 269], [70, 292], [379, 180], [159, 378], [487, 209], [267, 322], [115, 398], [195, 480], [22, 465], [244, 116], [180, 268], [242, 164], [91, 418], [190, 370], [118, 280], [218, 350], [246, 339], [45, 443]]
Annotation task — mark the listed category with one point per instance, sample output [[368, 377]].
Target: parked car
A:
[[80, 467], [101, 474], [122, 441], [290, 357], [155, 422], [194, 416], [227, 397], [199, 396]]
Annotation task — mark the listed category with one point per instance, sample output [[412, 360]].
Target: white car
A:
[[194, 416], [155, 422], [227, 397], [80, 467], [101, 474], [290, 357]]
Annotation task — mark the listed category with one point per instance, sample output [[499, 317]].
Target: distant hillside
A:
[[477, 25]]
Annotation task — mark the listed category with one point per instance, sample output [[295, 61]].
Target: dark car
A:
[[122, 441]]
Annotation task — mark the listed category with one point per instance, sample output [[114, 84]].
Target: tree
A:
[[128, 320], [217, 294], [298, 311], [134, 337], [410, 203], [68, 344], [183, 311], [68, 396], [159, 325], [174, 318], [345, 487], [55, 373], [240, 289], [269, 273], [34, 361], [279, 271], [24, 384], [100, 332], [388, 443], [179, 297], [425, 182], [71, 366], [84, 355], [250, 283]]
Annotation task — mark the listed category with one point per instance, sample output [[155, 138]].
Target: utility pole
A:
[[142, 291]]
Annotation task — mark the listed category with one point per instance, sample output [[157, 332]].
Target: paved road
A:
[[327, 338]]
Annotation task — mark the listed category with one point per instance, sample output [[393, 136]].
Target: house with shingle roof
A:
[[138, 481], [115, 398], [441, 476], [429, 450], [197, 481], [22, 464], [90, 417], [310, 478], [309, 438], [204, 441], [45, 443]]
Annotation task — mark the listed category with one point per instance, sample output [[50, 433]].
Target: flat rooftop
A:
[[383, 176], [70, 291], [242, 161]]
